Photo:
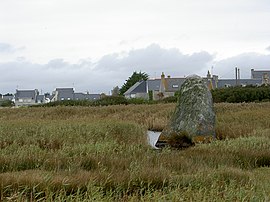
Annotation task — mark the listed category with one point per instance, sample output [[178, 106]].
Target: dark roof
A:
[[7, 97], [64, 89], [258, 74], [26, 94], [174, 84], [65, 93], [153, 84], [139, 87], [40, 97], [231, 82], [86, 96]]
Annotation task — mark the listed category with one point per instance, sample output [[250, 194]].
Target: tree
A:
[[115, 91], [135, 77], [8, 94]]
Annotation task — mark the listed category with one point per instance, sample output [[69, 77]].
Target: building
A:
[[26, 97], [155, 88], [86, 96], [61, 94], [165, 87], [260, 74], [7, 97]]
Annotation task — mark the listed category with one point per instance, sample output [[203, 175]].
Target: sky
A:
[[95, 45]]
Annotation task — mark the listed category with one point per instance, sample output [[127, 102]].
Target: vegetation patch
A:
[[75, 153]]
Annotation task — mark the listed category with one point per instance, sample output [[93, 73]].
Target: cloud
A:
[[268, 48], [56, 73], [7, 48], [102, 76], [154, 59], [114, 69], [245, 62]]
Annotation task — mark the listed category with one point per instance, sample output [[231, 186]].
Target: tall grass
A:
[[101, 154]]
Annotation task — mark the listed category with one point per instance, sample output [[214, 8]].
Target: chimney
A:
[[163, 83], [252, 73], [236, 77], [162, 75], [208, 75]]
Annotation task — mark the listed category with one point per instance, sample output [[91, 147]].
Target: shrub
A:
[[241, 94], [6, 103]]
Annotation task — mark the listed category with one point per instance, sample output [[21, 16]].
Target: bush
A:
[[110, 100], [171, 99], [6, 103], [241, 94]]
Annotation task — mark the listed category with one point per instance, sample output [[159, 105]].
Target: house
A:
[[157, 89], [86, 96], [224, 83], [264, 75], [61, 94], [258, 77], [260, 74], [138, 90], [165, 87], [41, 99], [7, 97], [26, 97]]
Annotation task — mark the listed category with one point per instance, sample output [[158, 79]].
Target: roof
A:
[[138, 87], [87, 96], [232, 82], [258, 74], [7, 97], [174, 84], [65, 93], [26, 94], [153, 84], [40, 97]]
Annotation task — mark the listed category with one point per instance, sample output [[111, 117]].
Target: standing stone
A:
[[194, 117]]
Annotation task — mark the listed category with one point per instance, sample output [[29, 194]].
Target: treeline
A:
[[231, 94], [242, 94], [105, 101]]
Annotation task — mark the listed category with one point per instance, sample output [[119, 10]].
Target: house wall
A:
[[157, 95], [24, 102], [142, 95]]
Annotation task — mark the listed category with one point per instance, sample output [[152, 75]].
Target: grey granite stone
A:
[[194, 117]]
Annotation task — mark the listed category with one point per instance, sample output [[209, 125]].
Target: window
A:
[[175, 86]]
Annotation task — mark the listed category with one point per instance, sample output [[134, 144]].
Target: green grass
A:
[[101, 154]]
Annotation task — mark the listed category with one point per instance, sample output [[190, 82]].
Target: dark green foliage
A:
[[104, 101], [171, 99], [135, 77], [150, 94], [241, 94], [137, 101], [6, 103], [110, 100]]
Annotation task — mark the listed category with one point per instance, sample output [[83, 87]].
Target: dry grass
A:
[[101, 153]]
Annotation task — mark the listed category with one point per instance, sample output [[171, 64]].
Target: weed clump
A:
[[180, 140]]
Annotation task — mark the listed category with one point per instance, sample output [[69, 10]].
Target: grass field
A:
[[102, 154]]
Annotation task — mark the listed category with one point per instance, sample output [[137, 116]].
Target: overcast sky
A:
[[94, 45]]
